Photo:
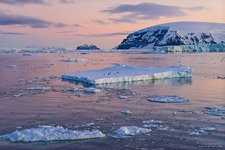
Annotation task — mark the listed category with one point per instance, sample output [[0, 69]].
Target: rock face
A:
[[173, 34], [87, 47]]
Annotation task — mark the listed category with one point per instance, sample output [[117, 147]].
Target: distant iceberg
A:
[[50, 133], [126, 73]]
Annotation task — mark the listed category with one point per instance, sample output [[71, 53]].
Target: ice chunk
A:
[[77, 95], [131, 130], [168, 99], [12, 66], [38, 88], [28, 54], [214, 111], [125, 73], [152, 123], [210, 107], [50, 133], [72, 89], [202, 130], [126, 112], [73, 59], [123, 97], [91, 90]]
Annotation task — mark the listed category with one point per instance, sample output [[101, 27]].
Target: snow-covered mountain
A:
[[176, 33]]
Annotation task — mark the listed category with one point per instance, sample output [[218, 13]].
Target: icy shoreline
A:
[[125, 73]]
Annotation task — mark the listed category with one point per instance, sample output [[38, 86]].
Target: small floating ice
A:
[[202, 130], [168, 99], [38, 88], [73, 60], [72, 89], [214, 111], [126, 112], [77, 95], [125, 73], [12, 66], [123, 97], [28, 54], [91, 90], [50, 133], [151, 123], [131, 130]]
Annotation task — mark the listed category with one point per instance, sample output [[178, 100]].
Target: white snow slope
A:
[[176, 33]]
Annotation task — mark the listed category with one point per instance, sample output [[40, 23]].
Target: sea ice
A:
[[126, 73], [155, 124], [38, 88], [50, 133], [72, 89], [91, 90], [131, 130], [28, 54], [168, 99], [12, 66], [126, 112], [123, 97], [214, 111], [73, 59], [202, 130]]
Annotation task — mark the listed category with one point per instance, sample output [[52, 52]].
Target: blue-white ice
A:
[[126, 73], [50, 133], [168, 99]]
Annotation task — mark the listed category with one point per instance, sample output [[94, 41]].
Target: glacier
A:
[[50, 133], [126, 73]]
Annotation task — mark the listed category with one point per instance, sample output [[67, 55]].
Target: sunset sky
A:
[[69, 23]]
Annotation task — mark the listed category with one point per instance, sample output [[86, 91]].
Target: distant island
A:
[[87, 47], [178, 36]]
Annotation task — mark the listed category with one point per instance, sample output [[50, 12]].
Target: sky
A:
[[105, 23]]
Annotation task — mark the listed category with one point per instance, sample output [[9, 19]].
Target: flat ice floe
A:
[[131, 130], [38, 88], [126, 73], [168, 99], [50, 133], [73, 60], [91, 90]]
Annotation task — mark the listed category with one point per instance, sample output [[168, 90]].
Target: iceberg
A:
[[50, 133], [125, 73]]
